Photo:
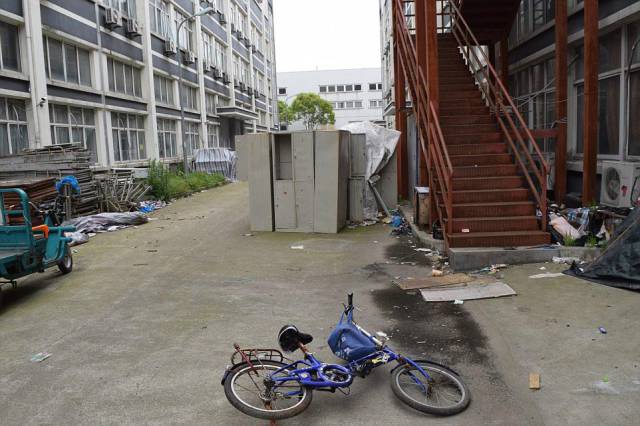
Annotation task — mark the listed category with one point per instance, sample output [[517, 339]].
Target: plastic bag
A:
[[349, 343]]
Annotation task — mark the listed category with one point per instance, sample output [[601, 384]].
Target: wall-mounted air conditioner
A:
[[112, 18], [170, 47], [133, 28], [620, 184], [189, 57], [222, 18]]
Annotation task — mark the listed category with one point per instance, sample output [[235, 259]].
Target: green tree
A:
[[312, 110], [285, 113]]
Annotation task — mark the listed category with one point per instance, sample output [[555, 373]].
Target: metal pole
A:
[[185, 164]]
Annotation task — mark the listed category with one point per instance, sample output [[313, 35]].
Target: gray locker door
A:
[[303, 156], [285, 202], [358, 154], [304, 205]]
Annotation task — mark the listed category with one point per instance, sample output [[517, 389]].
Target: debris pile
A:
[[584, 226], [120, 192]]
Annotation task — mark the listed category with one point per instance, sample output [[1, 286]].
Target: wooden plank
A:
[[534, 381], [560, 188], [590, 121], [430, 282], [468, 291]]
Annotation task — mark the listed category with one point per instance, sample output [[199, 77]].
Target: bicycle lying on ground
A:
[[261, 384]]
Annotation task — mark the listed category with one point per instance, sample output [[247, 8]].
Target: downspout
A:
[[34, 101]]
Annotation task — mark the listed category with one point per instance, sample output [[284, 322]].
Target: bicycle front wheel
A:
[[443, 394], [246, 390]]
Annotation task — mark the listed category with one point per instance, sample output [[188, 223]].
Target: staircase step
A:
[[499, 239], [495, 182], [464, 108], [466, 119], [461, 95], [511, 208], [466, 84], [485, 171], [452, 79], [495, 224], [480, 159], [467, 129], [491, 195], [473, 138], [477, 148], [449, 104]]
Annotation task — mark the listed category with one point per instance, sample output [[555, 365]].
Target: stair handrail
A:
[[424, 108], [467, 40]]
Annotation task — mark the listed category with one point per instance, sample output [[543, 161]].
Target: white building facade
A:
[[355, 94], [104, 73]]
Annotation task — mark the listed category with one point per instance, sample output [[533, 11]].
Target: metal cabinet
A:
[[257, 149], [332, 180]]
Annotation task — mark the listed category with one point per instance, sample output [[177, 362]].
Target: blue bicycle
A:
[[263, 383]]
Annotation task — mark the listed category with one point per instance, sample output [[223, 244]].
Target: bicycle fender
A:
[[423, 360], [229, 369]]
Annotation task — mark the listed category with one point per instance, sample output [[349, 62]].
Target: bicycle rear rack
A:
[[256, 354]]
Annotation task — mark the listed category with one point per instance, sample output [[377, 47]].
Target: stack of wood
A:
[[120, 191], [55, 162]]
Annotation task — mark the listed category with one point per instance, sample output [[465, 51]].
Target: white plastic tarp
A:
[[380, 146], [216, 160]]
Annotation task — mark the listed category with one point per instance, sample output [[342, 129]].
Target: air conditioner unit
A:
[[254, 49], [236, 83], [225, 78], [243, 87], [170, 47], [216, 73], [206, 66], [250, 91], [222, 18], [188, 57], [620, 184], [112, 18], [133, 29], [233, 28], [247, 42]]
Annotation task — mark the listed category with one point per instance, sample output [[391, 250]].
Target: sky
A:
[[326, 34]]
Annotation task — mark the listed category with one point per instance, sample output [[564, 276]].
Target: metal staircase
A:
[[486, 171]]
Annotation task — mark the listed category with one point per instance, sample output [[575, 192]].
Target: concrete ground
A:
[[142, 329]]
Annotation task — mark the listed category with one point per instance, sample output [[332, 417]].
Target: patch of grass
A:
[[569, 241], [592, 241], [166, 184]]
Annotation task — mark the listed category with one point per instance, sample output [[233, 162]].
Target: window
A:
[[323, 89], [375, 86], [189, 97], [126, 7], [159, 17], [163, 88], [167, 138], [210, 100], [66, 62], [192, 136], [73, 125], [633, 35], [124, 78], [212, 135], [185, 38], [375, 103], [331, 89], [340, 88], [348, 104], [348, 88], [357, 87], [282, 90], [609, 63], [9, 47], [128, 136], [220, 60], [357, 104], [13, 126]]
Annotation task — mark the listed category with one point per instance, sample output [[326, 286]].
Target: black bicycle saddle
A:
[[289, 338]]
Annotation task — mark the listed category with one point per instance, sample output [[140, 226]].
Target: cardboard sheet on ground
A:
[[429, 282], [468, 291]]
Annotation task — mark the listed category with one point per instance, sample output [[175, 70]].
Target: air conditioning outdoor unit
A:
[[233, 28], [216, 73], [236, 83], [133, 29], [225, 78], [189, 57], [221, 18], [254, 49], [112, 18], [247, 42], [170, 47], [206, 67], [620, 184], [242, 87], [250, 91]]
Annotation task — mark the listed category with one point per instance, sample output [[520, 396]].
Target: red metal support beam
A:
[[590, 123], [560, 189], [432, 52], [421, 56], [401, 119]]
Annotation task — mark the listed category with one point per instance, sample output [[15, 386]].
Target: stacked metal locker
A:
[[331, 183], [357, 183]]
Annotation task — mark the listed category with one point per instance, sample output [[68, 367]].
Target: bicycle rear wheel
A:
[[443, 394], [246, 390]]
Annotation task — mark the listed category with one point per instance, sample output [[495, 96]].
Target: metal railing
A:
[[515, 130], [435, 152]]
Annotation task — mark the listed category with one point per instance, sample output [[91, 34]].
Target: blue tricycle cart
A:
[[25, 249]]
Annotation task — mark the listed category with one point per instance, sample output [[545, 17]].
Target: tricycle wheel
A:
[[66, 264]]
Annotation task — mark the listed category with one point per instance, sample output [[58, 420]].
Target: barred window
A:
[[167, 138], [211, 103], [9, 47], [13, 126], [159, 16], [66, 62], [192, 136], [73, 125], [124, 78], [128, 136], [212, 135], [163, 88], [189, 97]]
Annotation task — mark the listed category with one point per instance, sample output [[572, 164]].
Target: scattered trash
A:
[[493, 269], [77, 238], [247, 235], [566, 260], [563, 227], [542, 268], [602, 330], [422, 249], [437, 273], [297, 247], [458, 302], [150, 206], [547, 275], [411, 283], [465, 231], [400, 225], [534, 381], [40, 356]]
